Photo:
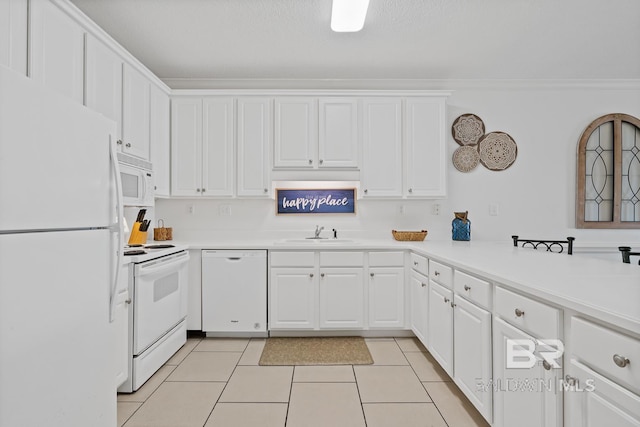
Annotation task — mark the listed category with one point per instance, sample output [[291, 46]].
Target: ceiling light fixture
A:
[[347, 16]]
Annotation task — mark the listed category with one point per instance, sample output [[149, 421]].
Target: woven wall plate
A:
[[497, 151], [467, 129], [466, 158]]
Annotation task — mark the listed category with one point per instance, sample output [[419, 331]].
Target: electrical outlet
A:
[[435, 209], [401, 209], [191, 209], [493, 209], [224, 210]]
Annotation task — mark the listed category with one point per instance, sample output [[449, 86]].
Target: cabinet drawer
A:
[[597, 346], [386, 259], [292, 259], [441, 273], [341, 259], [472, 288], [540, 320], [419, 264]]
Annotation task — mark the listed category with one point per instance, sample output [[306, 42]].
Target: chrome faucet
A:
[[318, 230]]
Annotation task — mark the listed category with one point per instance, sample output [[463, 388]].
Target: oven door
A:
[[160, 298]]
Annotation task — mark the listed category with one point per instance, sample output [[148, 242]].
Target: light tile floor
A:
[[216, 382]]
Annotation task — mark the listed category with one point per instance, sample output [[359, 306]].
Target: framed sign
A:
[[312, 201]]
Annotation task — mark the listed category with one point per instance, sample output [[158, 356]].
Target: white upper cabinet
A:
[[202, 138], [425, 157], [13, 34], [254, 127], [338, 133], [160, 141], [381, 174], [295, 132], [135, 113], [103, 81], [56, 49], [315, 133]]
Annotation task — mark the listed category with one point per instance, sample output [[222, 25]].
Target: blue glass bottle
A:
[[461, 226]]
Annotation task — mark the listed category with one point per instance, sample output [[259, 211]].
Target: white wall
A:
[[535, 196]]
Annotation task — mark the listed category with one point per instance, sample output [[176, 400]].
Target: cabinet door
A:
[[382, 147], [103, 82], [160, 141], [13, 35], [341, 298], [472, 356], [425, 159], [386, 297], [120, 327], [594, 400], [441, 325], [338, 133], [56, 50], [254, 140], [295, 132], [217, 147], [522, 397], [293, 298], [135, 112], [186, 147], [419, 306]]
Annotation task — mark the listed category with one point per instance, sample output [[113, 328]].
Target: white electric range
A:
[[158, 310]]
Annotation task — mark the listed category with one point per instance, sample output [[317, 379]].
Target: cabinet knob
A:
[[321, 274], [446, 300], [204, 189], [424, 285], [197, 190], [452, 304], [321, 161], [437, 273], [266, 191], [519, 313], [310, 274], [467, 287], [411, 190], [570, 381], [415, 263], [119, 142], [127, 301], [371, 274], [310, 161], [128, 145], [366, 191], [546, 365], [620, 361]]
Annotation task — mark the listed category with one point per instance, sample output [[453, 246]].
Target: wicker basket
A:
[[415, 236]]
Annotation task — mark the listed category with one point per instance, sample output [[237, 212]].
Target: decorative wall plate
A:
[[467, 129], [466, 158], [497, 151]]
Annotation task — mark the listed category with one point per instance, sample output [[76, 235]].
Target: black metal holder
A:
[[626, 254], [549, 244]]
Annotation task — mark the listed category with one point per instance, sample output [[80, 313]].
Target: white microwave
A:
[[137, 181]]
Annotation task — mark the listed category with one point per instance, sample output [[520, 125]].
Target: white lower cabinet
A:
[[524, 397], [386, 297], [472, 354], [120, 326], [341, 300], [440, 330], [292, 302], [419, 305]]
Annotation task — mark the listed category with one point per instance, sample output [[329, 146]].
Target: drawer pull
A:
[[467, 287], [519, 313], [446, 300], [424, 285], [546, 365], [570, 381], [371, 274], [310, 274], [620, 361], [415, 263], [321, 274], [437, 273]]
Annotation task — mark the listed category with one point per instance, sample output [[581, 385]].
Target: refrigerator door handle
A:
[[118, 226]]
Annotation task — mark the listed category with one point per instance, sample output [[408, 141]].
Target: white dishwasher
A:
[[234, 292]]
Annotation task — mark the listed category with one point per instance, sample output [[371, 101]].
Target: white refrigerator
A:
[[59, 244]]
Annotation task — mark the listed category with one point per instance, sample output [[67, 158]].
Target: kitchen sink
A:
[[314, 241]]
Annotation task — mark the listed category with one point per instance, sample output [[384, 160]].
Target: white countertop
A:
[[606, 290]]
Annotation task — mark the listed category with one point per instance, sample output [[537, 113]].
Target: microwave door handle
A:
[[119, 228]]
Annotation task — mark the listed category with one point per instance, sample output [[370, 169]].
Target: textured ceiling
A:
[[401, 39]]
